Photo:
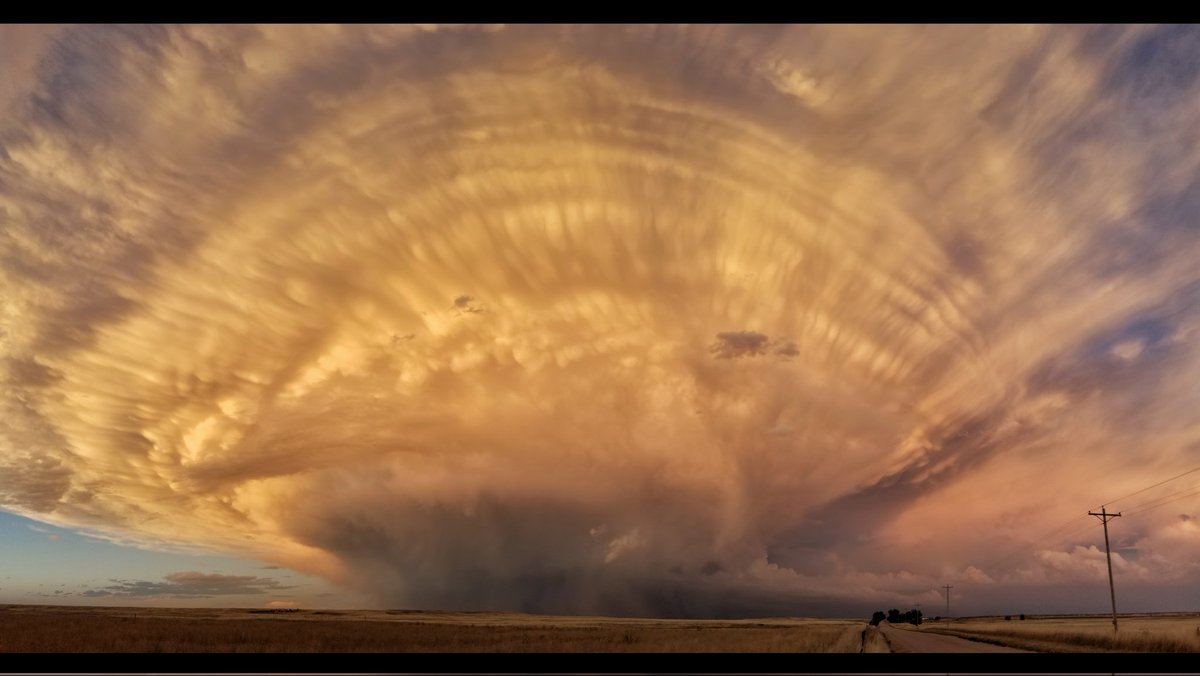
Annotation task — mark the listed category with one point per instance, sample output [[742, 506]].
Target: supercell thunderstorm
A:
[[662, 320]]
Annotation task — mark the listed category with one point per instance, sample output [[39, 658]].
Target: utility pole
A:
[[947, 588], [1105, 517]]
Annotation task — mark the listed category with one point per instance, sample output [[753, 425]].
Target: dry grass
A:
[[1162, 633], [873, 641], [67, 629]]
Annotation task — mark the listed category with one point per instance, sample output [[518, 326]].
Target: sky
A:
[[679, 321]]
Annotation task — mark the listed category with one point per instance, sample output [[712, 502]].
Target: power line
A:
[[1137, 509], [1143, 490], [1156, 499], [1064, 538], [1026, 547], [1193, 491], [1146, 506], [1072, 535], [1162, 500]]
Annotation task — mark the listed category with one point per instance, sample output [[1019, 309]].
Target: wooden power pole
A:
[[1105, 517], [947, 588]]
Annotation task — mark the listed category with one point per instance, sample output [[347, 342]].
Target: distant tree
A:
[[878, 617], [894, 616], [1022, 616], [913, 617], [1008, 617]]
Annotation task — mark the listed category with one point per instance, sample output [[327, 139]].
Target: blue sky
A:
[[40, 563]]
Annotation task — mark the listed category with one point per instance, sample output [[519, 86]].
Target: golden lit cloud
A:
[[601, 318]]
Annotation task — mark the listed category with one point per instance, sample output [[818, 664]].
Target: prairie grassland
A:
[[1162, 633], [74, 629]]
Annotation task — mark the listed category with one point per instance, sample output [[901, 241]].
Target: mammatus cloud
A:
[[188, 584], [431, 312]]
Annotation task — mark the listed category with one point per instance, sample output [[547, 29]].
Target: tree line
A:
[[894, 616]]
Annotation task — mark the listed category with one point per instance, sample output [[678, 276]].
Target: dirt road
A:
[[915, 641]]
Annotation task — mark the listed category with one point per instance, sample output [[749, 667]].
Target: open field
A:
[[114, 629], [93, 629], [1159, 632]]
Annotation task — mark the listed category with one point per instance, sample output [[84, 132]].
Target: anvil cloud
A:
[[681, 320]]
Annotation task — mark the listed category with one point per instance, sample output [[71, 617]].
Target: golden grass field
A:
[[100, 629], [1160, 632], [92, 629]]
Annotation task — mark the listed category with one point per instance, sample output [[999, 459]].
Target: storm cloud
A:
[[187, 584], [672, 320]]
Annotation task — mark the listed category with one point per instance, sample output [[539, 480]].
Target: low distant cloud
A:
[[1084, 562], [188, 584], [1127, 350], [734, 344], [622, 545], [974, 574], [467, 304], [787, 349], [780, 430], [49, 534]]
